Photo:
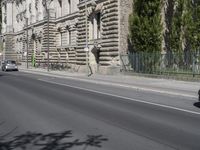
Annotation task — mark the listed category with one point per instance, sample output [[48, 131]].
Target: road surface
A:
[[129, 119]]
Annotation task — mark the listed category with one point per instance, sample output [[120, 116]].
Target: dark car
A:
[[9, 65]]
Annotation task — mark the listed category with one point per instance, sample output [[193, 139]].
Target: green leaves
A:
[[185, 27], [193, 26], [182, 31], [145, 25], [0, 17]]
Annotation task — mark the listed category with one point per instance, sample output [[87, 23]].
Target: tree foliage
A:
[[185, 25], [145, 25], [175, 31], [192, 24], [0, 16], [182, 31]]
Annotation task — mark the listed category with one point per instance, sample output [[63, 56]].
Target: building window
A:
[[95, 26], [91, 29], [69, 37], [61, 38], [98, 20], [61, 7], [69, 8]]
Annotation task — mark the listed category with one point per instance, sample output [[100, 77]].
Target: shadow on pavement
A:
[[197, 104], [52, 141]]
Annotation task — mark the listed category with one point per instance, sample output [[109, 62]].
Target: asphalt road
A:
[[128, 119]]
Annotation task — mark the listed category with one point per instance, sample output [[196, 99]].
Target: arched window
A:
[[95, 26], [98, 21], [69, 6], [61, 38], [69, 37]]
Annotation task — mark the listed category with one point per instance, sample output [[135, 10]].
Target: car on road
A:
[[9, 65]]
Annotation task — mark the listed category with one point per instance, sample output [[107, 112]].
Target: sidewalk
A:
[[164, 86]]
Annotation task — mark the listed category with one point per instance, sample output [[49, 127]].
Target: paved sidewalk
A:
[[164, 86]]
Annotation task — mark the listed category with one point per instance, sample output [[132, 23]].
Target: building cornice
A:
[[19, 32], [7, 1], [4, 34], [67, 17], [57, 20], [89, 2]]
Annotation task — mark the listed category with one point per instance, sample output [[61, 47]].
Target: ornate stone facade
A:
[[107, 31]]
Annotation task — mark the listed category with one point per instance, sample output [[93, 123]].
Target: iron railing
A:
[[169, 63]]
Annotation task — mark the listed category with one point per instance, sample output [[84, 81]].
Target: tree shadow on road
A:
[[51, 141], [197, 104]]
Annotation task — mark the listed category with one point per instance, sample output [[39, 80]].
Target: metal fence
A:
[[169, 63]]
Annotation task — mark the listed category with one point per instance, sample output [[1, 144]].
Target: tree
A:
[[192, 25], [0, 16], [145, 25], [175, 32], [1, 44], [185, 26]]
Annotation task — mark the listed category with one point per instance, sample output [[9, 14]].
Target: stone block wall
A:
[[104, 51], [125, 11], [109, 41], [9, 46]]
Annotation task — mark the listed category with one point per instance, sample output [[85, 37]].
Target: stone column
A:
[[124, 42], [3, 17], [9, 16], [34, 13], [40, 9]]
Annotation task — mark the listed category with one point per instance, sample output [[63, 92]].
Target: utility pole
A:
[[44, 3], [86, 38], [27, 43]]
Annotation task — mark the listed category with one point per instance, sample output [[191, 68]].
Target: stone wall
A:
[[9, 46], [103, 51], [107, 46], [125, 11]]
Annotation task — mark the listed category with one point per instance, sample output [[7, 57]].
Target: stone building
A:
[[25, 29]]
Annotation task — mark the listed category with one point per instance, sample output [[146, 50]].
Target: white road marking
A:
[[120, 85], [123, 97]]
